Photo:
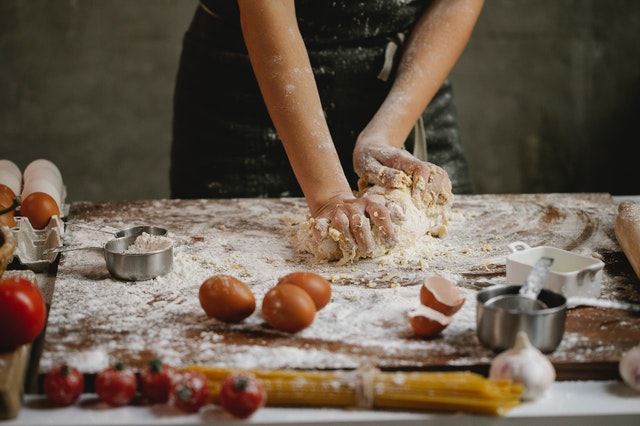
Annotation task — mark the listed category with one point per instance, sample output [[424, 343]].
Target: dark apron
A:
[[224, 143]]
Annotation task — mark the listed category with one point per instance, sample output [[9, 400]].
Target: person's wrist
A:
[[322, 201]]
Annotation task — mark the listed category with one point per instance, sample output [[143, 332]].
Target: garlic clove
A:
[[524, 364], [629, 368], [427, 322], [441, 294]]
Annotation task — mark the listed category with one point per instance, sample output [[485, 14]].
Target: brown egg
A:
[[316, 285], [427, 322], [8, 204], [226, 298], [39, 207], [441, 294], [287, 307]]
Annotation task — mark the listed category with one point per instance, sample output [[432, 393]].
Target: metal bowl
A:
[[497, 328], [136, 266], [139, 230]]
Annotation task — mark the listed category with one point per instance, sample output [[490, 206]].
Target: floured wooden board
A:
[[95, 320]]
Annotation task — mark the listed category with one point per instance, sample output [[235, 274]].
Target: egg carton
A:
[[31, 244]]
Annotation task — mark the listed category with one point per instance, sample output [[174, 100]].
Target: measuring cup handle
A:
[[518, 246], [62, 249]]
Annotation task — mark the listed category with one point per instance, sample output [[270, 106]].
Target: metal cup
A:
[[139, 230], [497, 327], [136, 266]]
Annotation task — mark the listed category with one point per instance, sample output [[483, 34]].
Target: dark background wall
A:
[[548, 93]]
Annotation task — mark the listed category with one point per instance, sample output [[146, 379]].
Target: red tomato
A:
[[8, 204], [156, 380], [38, 207], [63, 385], [22, 312], [241, 394], [190, 391], [116, 385]]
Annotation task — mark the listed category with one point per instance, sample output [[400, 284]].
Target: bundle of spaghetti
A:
[[446, 391], [454, 391]]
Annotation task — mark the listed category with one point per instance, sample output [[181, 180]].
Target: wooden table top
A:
[[95, 319]]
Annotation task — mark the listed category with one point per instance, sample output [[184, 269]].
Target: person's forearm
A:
[[430, 52], [281, 65]]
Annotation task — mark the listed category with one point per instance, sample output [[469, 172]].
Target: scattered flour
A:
[[95, 319]]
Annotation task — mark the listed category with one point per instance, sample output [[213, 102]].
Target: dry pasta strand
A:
[[458, 391]]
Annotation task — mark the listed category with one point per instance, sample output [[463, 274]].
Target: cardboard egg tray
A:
[[31, 243]]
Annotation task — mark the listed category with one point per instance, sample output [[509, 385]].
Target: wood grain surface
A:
[[251, 239]]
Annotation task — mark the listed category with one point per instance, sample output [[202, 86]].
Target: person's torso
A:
[[341, 22]]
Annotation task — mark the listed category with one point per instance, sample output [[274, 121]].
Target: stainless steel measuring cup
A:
[[127, 232], [136, 266], [496, 328], [527, 297], [132, 266]]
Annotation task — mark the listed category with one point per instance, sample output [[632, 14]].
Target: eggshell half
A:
[[441, 294], [427, 322]]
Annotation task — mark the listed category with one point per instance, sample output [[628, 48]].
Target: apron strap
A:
[[419, 133], [389, 53]]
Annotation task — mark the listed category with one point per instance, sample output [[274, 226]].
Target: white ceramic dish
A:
[[572, 275]]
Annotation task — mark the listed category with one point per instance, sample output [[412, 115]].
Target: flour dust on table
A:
[[95, 319]]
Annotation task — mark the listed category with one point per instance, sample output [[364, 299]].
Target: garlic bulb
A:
[[524, 364], [629, 368]]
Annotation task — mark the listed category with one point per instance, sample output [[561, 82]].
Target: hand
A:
[[358, 219], [394, 167]]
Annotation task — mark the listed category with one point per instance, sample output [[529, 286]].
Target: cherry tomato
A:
[[241, 394], [22, 312], [156, 380], [116, 385], [63, 385], [39, 207], [8, 204], [190, 391]]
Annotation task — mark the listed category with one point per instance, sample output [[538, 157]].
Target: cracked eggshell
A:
[[427, 322], [441, 294]]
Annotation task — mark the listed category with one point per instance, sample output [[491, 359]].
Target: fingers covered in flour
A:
[[355, 227], [379, 165], [380, 219], [358, 222], [340, 222], [430, 181], [394, 167]]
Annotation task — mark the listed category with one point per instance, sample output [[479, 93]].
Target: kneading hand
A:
[[356, 219], [393, 167]]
